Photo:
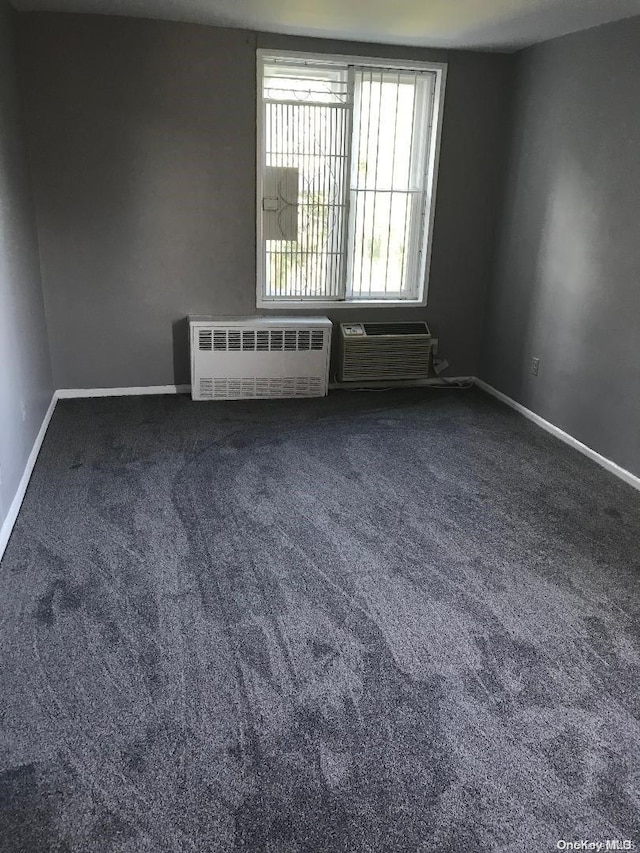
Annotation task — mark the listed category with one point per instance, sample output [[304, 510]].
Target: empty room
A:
[[319, 426]]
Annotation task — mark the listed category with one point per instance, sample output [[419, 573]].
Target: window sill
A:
[[311, 305]]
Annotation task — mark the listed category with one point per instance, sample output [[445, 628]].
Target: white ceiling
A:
[[483, 24]]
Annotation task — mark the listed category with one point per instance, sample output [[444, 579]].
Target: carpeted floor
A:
[[401, 621]]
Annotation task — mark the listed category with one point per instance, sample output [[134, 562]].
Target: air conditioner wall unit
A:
[[235, 358], [377, 352]]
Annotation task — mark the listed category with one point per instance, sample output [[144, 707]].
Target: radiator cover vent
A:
[[374, 352], [260, 340], [259, 357]]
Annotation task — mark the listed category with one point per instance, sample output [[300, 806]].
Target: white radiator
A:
[[235, 358]]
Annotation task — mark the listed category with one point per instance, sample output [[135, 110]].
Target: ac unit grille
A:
[[395, 329], [261, 387], [371, 366], [386, 351], [250, 340], [373, 371], [362, 345]]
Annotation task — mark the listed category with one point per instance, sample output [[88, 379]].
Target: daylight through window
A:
[[346, 160]]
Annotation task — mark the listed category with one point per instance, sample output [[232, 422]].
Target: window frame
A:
[[306, 303]]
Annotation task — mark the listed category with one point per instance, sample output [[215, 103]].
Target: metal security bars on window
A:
[[306, 124], [344, 180], [388, 183]]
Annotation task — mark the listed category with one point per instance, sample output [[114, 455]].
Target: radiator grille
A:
[[248, 387], [276, 340], [204, 339]]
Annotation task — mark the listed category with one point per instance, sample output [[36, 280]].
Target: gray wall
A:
[[567, 278], [25, 369], [142, 138]]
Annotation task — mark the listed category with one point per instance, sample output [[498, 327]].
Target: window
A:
[[347, 156]]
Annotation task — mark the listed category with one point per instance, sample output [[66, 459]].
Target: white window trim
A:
[[440, 70]]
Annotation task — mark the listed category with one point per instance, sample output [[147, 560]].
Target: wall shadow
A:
[[181, 370]]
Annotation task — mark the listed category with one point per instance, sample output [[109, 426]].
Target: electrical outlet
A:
[[23, 409], [535, 366]]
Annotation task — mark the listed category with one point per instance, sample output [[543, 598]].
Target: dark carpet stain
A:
[[60, 592]]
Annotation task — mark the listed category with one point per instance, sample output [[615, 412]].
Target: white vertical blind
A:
[[307, 114], [344, 180]]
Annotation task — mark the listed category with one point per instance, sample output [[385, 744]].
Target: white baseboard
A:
[[62, 394], [614, 468], [16, 503], [69, 393]]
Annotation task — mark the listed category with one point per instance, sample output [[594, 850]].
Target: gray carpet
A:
[[401, 621]]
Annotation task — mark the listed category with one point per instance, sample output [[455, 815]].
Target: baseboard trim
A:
[[72, 393], [16, 503], [65, 394], [608, 464]]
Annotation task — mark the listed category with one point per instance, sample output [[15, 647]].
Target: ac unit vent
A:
[[395, 329], [371, 352], [256, 357]]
